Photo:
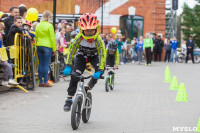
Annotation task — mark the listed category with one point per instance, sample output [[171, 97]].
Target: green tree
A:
[[191, 23]]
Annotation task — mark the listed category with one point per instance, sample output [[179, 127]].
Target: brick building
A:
[[149, 14]]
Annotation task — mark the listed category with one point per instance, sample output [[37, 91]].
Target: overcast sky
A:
[[191, 3]]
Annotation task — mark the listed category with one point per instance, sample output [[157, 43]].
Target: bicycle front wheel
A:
[[87, 111], [107, 84], [76, 112], [112, 82]]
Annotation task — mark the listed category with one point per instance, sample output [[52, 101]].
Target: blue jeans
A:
[[173, 51], [44, 56], [134, 53]]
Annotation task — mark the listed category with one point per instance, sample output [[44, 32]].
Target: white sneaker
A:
[[122, 63], [133, 61], [12, 82], [5, 83]]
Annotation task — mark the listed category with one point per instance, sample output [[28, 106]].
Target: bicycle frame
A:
[[109, 75], [81, 91]]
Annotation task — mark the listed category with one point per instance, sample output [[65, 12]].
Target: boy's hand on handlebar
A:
[[115, 67]]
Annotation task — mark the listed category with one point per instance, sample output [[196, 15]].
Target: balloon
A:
[[114, 30], [32, 14], [1, 14]]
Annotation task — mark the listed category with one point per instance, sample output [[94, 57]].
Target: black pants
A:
[[148, 55], [167, 55], [157, 54], [79, 67], [190, 52], [110, 61]]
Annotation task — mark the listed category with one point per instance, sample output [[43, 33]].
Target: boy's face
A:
[[26, 27], [90, 32], [18, 23]]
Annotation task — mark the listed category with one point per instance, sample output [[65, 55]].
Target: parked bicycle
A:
[[181, 56]]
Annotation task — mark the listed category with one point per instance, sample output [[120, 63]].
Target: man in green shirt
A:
[[148, 48]]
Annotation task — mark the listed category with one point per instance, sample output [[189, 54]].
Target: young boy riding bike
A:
[[91, 49], [112, 55]]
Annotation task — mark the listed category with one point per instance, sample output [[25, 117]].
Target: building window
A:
[[132, 26]]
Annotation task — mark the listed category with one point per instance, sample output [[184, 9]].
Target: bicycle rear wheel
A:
[[107, 86], [87, 111], [76, 112]]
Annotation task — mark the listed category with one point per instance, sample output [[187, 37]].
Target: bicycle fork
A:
[[81, 92]]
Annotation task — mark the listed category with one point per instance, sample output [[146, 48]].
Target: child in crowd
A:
[[140, 44], [27, 27], [62, 41], [15, 28]]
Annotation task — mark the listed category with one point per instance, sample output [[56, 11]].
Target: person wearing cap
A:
[[63, 23]]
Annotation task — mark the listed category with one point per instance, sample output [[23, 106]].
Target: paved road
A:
[[140, 103]]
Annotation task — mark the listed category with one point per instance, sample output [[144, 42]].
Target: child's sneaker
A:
[[12, 82], [122, 63], [68, 104], [5, 83], [133, 61]]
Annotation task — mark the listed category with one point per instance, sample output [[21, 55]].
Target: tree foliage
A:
[[191, 23]]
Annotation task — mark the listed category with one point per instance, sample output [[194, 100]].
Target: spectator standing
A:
[[155, 43], [14, 11], [124, 47], [68, 35], [140, 44], [167, 50], [120, 44], [134, 47], [159, 47], [148, 48], [190, 49], [108, 39], [22, 13], [46, 44], [174, 44]]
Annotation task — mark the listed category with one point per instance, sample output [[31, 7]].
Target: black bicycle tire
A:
[[75, 121], [86, 112], [113, 82], [107, 84]]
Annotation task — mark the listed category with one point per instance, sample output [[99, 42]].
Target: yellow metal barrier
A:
[[24, 61]]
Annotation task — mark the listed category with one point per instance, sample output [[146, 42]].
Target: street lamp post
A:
[[54, 13], [102, 17]]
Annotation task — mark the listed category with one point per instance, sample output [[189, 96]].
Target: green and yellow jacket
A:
[[82, 45]]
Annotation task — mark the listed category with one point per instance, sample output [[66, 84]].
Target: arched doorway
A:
[[132, 26]]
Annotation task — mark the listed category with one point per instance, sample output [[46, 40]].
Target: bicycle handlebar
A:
[[90, 76]]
